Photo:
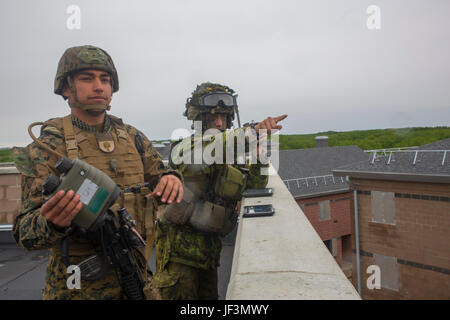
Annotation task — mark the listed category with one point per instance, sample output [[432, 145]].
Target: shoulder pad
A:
[[52, 130], [116, 119], [22, 161]]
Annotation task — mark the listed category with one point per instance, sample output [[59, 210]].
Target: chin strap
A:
[[77, 104]]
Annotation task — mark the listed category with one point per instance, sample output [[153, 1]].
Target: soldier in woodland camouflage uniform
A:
[[86, 76], [187, 258]]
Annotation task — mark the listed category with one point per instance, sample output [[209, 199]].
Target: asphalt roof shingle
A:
[[163, 150], [427, 163], [302, 164]]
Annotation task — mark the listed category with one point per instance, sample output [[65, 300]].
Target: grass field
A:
[[5, 155], [369, 139]]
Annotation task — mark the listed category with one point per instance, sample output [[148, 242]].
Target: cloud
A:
[[316, 61]]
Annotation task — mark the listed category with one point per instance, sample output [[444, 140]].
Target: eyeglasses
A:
[[215, 99]]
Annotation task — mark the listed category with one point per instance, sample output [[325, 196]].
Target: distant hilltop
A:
[[9, 145], [369, 139], [365, 139]]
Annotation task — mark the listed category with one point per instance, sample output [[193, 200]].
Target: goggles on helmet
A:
[[215, 99]]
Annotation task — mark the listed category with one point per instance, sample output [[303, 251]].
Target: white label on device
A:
[[87, 191]]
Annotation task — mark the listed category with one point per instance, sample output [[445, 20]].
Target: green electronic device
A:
[[97, 191]]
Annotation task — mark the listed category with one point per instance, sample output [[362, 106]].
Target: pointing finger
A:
[[279, 118]]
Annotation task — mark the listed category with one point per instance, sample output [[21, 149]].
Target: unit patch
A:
[[105, 141]]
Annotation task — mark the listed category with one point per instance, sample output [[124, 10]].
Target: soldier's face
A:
[[216, 121], [92, 87]]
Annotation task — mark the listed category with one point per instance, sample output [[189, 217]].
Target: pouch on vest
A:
[[150, 207], [208, 217], [230, 183], [179, 213], [202, 215], [137, 206], [230, 222], [142, 207], [130, 203]]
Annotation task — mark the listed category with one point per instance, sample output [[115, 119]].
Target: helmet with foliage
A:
[[211, 98], [76, 59]]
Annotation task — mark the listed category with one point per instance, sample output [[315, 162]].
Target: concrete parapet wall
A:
[[10, 193], [282, 256]]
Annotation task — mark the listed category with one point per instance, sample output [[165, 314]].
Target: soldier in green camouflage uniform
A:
[[186, 258], [87, 77]]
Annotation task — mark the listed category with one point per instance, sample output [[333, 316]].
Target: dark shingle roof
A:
[[438, 145], [428, 164], [163, 150], [316, 162]]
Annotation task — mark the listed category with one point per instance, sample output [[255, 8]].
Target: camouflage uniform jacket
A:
[[183, 244], [32, 231]]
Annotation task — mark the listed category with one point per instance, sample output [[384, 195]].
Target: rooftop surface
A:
[[427, 163], [22, 272], [309, 171]]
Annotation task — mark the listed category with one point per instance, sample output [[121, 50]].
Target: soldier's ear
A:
[[65, 91]]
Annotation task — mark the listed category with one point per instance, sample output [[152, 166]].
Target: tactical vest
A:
[[116, 155], [191, 243]]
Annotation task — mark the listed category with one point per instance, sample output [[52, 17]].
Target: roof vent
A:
[[321, 141]]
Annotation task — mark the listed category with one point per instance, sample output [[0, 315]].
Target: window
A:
[[383, 207], [388, 271], [324, 210]]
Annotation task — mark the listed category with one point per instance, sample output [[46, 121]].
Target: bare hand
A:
[[62, 208], [168, 188], [270, 123]]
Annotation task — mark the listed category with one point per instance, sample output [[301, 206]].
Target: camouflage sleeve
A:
[[31, 230], [211, 148], [154, 167], [255, 179], [238, 142], [183, 151]]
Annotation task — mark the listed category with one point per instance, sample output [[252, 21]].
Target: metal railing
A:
[[5, 227], [331, 177], [375, 156], [384, 150]]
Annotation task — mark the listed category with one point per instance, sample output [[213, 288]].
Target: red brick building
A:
[[10, 193], [403, 214], [333, 225], [324, 199]]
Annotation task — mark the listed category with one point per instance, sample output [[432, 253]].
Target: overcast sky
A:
[[314, 60]]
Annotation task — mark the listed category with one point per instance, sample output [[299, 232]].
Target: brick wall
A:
[[339, 223], [337, 228], [10, 193], [419, 240]]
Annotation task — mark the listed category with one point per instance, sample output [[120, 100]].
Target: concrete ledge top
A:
[[282, 256], [8, 169]]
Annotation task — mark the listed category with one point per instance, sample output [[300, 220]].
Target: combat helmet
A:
[[211, 98], [80, 58]]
